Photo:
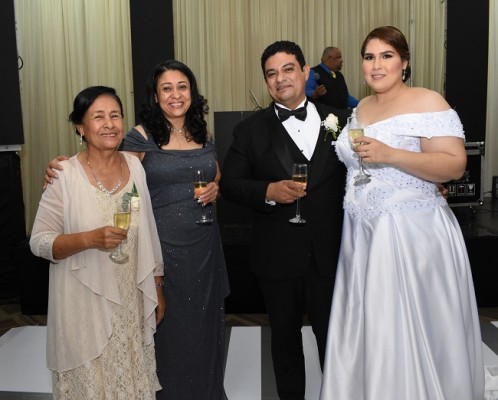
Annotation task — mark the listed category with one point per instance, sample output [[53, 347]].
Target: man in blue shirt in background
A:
[[326, 83]]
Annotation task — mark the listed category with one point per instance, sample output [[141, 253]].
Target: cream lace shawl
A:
[[83, 293]]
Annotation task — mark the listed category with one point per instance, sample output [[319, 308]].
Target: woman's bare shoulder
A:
[[141, 130], [427, 100]]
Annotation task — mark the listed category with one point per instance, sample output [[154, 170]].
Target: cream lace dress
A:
[[126, 369]]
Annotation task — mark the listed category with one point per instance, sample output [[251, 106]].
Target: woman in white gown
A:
[[404, 322]]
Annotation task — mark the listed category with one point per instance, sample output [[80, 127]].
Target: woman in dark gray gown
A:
[[171, 142]]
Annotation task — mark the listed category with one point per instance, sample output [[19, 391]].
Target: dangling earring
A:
[[404, 75], [81, 140]]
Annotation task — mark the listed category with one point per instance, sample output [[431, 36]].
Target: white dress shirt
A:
[[304, 133]]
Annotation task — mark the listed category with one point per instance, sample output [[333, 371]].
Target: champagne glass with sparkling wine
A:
[[199, 184], [122, 218], [355, 130], [299, 175]]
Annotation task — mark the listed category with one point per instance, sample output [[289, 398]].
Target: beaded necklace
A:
[[99, 183], [179, 130]]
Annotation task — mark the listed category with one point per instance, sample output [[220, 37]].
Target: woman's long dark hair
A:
[[152, 117]]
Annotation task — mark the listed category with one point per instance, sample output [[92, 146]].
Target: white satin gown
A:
[[404, 322]]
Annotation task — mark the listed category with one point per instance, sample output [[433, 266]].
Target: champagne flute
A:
[[355, 130], [299, 175], [122, 218], [199, 184]]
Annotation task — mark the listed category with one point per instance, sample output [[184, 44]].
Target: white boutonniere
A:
[[135, 203], [331, 126], [133, 198]]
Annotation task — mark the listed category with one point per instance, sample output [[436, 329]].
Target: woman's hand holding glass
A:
[[355, 131], [209, 194], [122, 219], [200, 187]]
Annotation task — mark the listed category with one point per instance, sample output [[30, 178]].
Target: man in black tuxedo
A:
[[295, 263]]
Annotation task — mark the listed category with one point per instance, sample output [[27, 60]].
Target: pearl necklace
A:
[[107, 192]]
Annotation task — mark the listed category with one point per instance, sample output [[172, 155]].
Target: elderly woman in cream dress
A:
[[102, 315]]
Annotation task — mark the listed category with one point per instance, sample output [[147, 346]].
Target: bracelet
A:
[[159, 284]]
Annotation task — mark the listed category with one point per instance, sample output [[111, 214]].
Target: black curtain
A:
[[467, 64], [12, 223], [151, 41]]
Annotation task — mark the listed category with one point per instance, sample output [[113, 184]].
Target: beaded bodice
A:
[[391, 189]]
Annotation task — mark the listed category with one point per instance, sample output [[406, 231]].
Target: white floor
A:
[[245, 365], [23, 368], [22, 361]]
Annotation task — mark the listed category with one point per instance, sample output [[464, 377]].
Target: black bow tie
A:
[[299, 113]]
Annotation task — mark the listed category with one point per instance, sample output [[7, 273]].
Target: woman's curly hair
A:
[[152, 117]]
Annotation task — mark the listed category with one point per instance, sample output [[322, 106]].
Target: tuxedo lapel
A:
[[322, 150], [277, 137]]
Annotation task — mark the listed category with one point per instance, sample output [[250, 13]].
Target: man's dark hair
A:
[[283, 46]]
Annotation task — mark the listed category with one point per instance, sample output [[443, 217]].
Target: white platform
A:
[[246, 365], [23, 365], [22, 361]]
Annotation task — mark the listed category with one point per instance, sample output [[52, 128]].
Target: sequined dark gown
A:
[[190, 341]]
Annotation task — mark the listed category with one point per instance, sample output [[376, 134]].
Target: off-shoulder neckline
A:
[[449, 110], [150, 141]]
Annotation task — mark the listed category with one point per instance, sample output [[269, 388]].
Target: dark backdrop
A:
[[466, 89], [467, 64], [235, 223], [151, 41], [12, 224], [10, 97]]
